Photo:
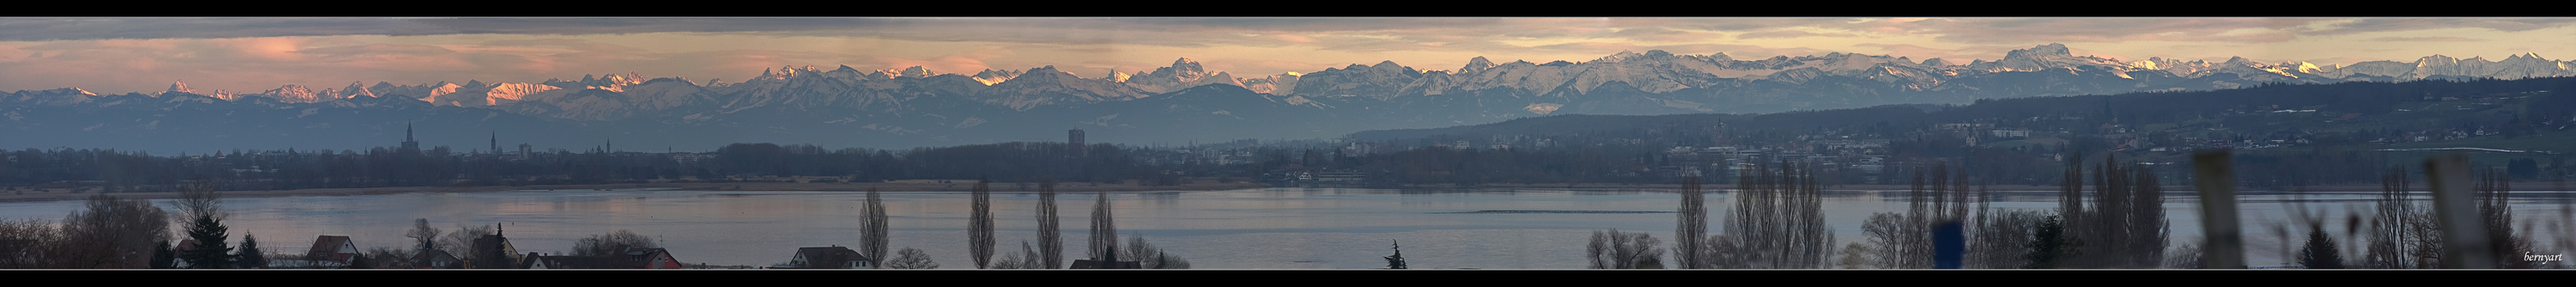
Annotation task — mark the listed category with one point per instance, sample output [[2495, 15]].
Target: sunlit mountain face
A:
[[1181, 103]]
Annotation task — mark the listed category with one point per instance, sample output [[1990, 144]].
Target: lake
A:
[[1272, 228]]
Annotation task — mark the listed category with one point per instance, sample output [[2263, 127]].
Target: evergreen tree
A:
[[250, 255], [163, 258], [2050, 246], [2320, 252], [201, 205], [210, 252]]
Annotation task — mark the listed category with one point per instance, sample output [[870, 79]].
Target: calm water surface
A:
[[1274, 228]]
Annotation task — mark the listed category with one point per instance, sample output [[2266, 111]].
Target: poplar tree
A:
[[872, 230], [1050, 239], [979, 228], [1104, 232], [1694, 225]]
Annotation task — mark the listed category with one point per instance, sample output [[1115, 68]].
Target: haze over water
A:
[[1274, 228]]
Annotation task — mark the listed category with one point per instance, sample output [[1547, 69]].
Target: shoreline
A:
[[38, 195], [57, 194]]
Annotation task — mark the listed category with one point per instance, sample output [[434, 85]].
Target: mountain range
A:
[[1184, 102]]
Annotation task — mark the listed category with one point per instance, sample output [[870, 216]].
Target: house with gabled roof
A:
[[494, 252], [653, 258], [834, 257], [331, 252], [184, 246], [636, 258]]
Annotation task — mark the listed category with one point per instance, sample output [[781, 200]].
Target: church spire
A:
[[409, 144]]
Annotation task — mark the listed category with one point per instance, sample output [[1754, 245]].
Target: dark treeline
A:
[[2286, 135], [124, 171]]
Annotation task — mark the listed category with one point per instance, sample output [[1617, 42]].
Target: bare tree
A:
[[2392, 244], [1149, 257], [872, 229], [462, 239], [1722, 252], [1778, 222], [426, 236], [1050, 237], [1904, 240], [911, 258], [2493, 189], [1027, 258], [613, 243], [31, 243], [2121, 221], [979, 227], [1856, 256], [198, 199], [1104, 232], [1892, 240], [1624, 250], [2002, 240], [203, 212], [1694, 226], [112, 232], [2149, 231]]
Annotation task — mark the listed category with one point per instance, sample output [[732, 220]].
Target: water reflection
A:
[[1278, 228]]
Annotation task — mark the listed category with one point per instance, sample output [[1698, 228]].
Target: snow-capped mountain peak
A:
[[1478, 64], [180, 87]]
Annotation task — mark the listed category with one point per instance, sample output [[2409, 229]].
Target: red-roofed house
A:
[[331, 252]]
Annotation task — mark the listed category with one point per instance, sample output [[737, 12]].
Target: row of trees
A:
[[2119, 223], [1048, 253], [2400, 234], [130, 171], [112, 232], [1777, 223]]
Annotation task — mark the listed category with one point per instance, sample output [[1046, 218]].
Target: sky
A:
[[119, 55]]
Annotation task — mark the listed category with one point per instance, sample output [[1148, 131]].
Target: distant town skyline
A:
[[242, 55]]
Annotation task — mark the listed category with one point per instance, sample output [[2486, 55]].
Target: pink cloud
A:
[[2425, 39], [2043, 30], [1788, 34], [1919, 53]]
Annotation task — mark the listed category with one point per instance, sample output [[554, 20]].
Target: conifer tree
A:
[[162, 257], [2320, 252], [250, 256], [210, 252], [205, 225]]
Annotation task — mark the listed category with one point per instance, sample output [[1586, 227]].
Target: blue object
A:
[[1949, 241]]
